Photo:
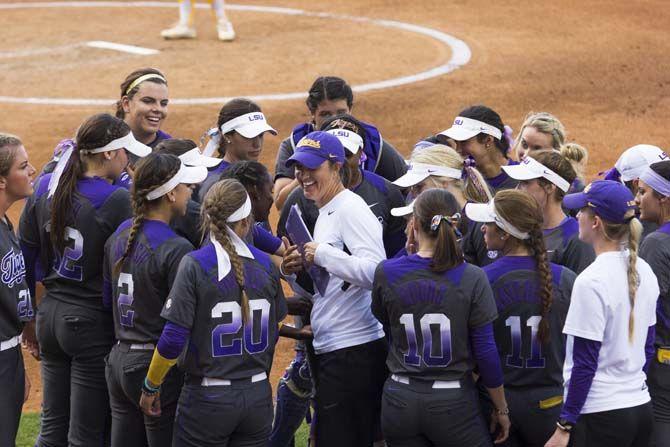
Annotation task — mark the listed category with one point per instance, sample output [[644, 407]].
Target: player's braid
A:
[[539, 251], [634, 233]]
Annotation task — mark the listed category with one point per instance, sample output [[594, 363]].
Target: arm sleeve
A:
[[170, 344], [649, 348], [585, 363], [587, 315], [284, 153], [485, 353]]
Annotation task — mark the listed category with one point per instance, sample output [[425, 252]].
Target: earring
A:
[[502, 238], [487, 145], [227, 141]]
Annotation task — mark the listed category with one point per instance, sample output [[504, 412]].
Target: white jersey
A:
[[342, 317], [599, 310]]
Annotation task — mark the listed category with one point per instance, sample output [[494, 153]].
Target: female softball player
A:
[[16, 304], [539, 131], [329, 96], [66, 223], [532, 297], [184, 28], [141, 260], [610, 326], [227, 302], [349, 342], [548, 176], [438, 312], [654, 203], [238, 136]]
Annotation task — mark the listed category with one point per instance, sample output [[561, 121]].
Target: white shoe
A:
[[225, 31], [179, 31]]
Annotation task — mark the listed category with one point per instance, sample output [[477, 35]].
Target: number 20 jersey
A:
[[221, 345], [429, 316]]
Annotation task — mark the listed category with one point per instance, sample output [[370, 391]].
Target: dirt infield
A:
[[600, 66]]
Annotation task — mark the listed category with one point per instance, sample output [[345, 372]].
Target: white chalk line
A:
[[460, 52], [132, 49], [100, 44]]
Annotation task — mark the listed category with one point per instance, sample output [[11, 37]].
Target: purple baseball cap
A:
[[608, 199], [315, 148]]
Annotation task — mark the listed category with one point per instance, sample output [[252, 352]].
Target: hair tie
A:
[[436, 221], [470, 162], [62, 146]]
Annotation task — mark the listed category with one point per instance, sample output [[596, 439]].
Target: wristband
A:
[[504, 412], [148, 389], [564, 425]]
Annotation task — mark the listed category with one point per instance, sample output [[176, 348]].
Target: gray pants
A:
[[416, 415], [12, 386], [74, 341], [659, 388], [235, 415], [126, 370]]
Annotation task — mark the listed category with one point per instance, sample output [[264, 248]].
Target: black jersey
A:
[[428, 316], [516, 287], [15, 302], [655, 249], [565, 248]]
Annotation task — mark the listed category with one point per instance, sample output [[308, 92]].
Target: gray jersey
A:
[[15, 303], [138, 292], [429, 316], [655, 249], [565, 248], [220, 344], [75, 276]]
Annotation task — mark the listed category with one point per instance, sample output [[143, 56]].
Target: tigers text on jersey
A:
[[15, 303], [655, 249]]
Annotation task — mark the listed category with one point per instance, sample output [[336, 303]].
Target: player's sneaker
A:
[[179, 31], [225, 30]]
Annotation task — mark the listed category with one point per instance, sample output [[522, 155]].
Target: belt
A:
[[436, 384], [11, 343], [211, 381], [139, 346], [663, 355]]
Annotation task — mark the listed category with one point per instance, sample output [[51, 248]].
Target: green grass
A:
[[30, 427]]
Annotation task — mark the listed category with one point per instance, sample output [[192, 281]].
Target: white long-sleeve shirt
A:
[[342, 317]]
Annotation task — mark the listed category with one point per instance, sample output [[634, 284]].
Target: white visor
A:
[[195, 158], [350, 140], [466, 128], [186, 174], [486, 213], [128, 143], [529, 169], [249, 126], [418, 172], [403, 210]]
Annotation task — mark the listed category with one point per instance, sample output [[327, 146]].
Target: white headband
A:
[[63, 159], [656, 181], [242, 212], [508, 227], [486, 213], [185, 174]]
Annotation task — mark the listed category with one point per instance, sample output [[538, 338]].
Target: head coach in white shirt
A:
[[348, 340]]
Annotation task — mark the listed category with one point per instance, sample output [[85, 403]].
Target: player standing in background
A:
[[141, 260], [437, 311], [226, 302], [329, 96], [16, 304], [653, 200], [539, 131], [184, 28], [532, 297], [547, 176], [610, 327], [63, 230]]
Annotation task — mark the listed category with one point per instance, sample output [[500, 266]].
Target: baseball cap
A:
[[608, 199], [466, 128], [635, 159], [418, 172], [403, 210], [186, 174], [486, 213], [195, 158], [350, 140], [529, 169], [315, 148], [249, 125]]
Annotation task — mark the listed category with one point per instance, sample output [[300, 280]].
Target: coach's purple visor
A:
[[608, 199], [315, 148]]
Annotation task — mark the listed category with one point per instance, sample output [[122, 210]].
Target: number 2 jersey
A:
[[15, 302], [75, 276], [138, 292], [429, 316], [526, 362], [221, 345]]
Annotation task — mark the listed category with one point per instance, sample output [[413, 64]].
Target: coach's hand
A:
[[309, 251], [150, 404], [502, 421], [560, 438], [292, 260]]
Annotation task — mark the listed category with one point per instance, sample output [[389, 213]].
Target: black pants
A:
[[12, 388], [126, 370], [659, 388], [625, 427], [349, 385], [74, 341]]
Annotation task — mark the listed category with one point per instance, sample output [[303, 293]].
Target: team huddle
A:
[[477, 293]]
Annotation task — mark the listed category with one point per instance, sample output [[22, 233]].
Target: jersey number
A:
[[25, 305], [125, 302], [436, 351], [514, 359], [68, 265], [255, 339]]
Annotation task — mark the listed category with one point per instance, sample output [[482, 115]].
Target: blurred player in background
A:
[[184, 28]]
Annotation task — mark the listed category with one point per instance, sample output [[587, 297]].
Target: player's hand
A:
[[292, 259], [298, 305], [411, 245], [29, 340], [560, 438], [150, 404], [306, 333], [503, 423], [309, 251], [26, 391]]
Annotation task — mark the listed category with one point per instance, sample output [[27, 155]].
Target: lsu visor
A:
[[403, 210], [466, 128], [608, 199], [195, 158], [418, 172], [315, 148], [633, 161], [249, 125], [186, 174], [350, 140], [128, 143], [529, 169], [486, 213]]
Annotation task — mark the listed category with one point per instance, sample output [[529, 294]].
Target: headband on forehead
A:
[[186, 174], [486, 213], [143, 78], [242, 212], [655, 181]]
